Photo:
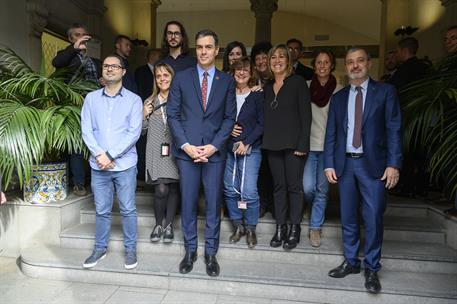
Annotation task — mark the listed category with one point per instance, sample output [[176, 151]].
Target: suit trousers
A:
[[360, 192], [192, 175], [287, 171]]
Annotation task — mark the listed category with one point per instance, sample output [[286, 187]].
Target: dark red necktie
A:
[[204, 89], [358, 113]]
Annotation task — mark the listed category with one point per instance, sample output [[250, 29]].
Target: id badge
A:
[[165, 149], [242, 205]]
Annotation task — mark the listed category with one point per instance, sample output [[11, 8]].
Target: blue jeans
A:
[[104, 184], [249, 194], [315, 187]]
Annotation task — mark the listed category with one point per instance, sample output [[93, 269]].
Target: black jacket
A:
[[68, 57], [144, 80], [411, 70], [287, 126], [304, 71]]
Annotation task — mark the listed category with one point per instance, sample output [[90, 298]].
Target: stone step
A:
[[281, 280], [399, 228], [397, 206], [405, 256]]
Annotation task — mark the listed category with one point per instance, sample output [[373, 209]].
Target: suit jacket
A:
[[250, 119], [68, 58], [411, 70], [381, 130], [304, 71], [144, 80], [187, 120]]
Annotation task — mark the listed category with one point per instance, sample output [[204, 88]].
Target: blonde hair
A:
[[169, 69], [285, 49]]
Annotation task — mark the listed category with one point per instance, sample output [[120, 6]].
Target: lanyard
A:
[[242, 176]]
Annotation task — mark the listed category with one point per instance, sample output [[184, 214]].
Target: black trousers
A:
[[265, 184], [287, 171]]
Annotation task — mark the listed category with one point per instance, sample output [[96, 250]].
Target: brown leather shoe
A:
[[237, 234], [251, 238], [315, 237]]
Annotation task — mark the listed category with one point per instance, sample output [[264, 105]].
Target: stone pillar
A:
[[263, 10], [38, 19], [154, 5], [394, 14]]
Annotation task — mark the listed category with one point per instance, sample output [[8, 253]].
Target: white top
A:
[[240, 98], [319, 123]]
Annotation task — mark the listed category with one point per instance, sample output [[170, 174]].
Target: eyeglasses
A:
[[176, 34], [274, 104], [114, 67]]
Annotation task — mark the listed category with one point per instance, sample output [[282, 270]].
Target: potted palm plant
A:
[[39, 124], [429, 108]]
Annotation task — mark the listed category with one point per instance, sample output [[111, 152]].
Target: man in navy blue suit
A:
[[363, 155], [201, 112]]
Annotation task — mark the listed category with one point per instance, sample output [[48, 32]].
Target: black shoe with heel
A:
[[293, 238], [280, 236]]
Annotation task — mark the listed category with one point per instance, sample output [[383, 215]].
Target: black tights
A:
[[165, 202]]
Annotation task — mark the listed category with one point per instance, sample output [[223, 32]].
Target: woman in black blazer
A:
[[286, 139], [244, 156]]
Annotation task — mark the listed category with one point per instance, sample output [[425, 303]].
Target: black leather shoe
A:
[[237, 234], [280, 236], [212, 266], [372, 283], [187, 262], [251, 238], [168, 234], [343, 270], [293, 238]]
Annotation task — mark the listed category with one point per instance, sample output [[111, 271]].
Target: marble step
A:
[[399, 228], [283, 280], [397, 255], [397, 206]]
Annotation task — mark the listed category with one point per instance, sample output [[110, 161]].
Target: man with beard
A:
[[363, 156], [175, 47]]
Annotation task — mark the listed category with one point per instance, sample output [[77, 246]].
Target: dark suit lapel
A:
[[344, 107], [369, 99], [213, 89], [198, 89]]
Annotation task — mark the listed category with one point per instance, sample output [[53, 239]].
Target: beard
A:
[[359, 74], [175, 46]]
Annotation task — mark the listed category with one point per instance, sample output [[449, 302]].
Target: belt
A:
[[354, 155]]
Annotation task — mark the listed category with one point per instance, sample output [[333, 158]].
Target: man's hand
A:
[[192, 151], [236, 131], [257, 88], [391, 176], [2, 198], [299, 153], [206, 152], [331, 176], [103, 161], [80, 44], [242, 148]]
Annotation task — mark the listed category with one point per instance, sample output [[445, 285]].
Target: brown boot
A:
[[251, 238], [315, 237], [237, 234]]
